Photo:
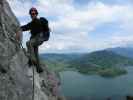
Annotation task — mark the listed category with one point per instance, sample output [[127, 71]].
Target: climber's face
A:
[[33, 14]]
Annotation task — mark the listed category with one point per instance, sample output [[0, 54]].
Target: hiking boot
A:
[[39, 69], [30, 63], [33, 61]]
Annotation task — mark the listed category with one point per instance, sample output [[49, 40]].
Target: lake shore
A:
[[77, 85]]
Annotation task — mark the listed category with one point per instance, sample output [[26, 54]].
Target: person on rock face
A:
[[37, 30]]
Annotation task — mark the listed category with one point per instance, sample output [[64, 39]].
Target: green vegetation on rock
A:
[[104, 63]]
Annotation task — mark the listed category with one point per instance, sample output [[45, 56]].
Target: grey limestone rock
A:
[[16, 76]]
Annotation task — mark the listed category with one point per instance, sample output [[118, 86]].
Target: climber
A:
[[39, 33]]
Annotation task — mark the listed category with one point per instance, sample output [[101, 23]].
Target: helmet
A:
[[33, 9]]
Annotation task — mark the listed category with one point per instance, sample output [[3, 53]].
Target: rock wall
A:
[[16, 76]]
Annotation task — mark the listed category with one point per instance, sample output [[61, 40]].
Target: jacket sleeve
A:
[[26, 27]]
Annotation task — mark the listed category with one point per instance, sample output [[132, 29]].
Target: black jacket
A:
[[34, 26]]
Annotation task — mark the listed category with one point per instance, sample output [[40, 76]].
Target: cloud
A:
[[72, 27], [20, 7], [122, 39]]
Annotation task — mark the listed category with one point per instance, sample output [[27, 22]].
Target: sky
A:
[[80, 25]]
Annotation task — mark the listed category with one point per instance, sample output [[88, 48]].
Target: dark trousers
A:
[[37, 56], [32, 48]]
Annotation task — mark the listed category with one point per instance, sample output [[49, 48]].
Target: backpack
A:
[[45, 28]]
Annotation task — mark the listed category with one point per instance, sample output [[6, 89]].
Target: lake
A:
[[77, 86]]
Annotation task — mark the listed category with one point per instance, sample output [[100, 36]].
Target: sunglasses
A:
[[33, 14]]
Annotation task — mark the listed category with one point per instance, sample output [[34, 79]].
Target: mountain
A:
[[58, 62], [102, 62], [18, 80], [124, 51], [104, 58], [60, 57]]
